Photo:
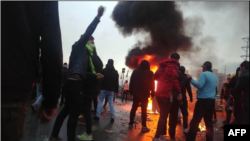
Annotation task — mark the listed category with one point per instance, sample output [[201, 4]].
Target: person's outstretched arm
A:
[[91, 28], [200, 82]]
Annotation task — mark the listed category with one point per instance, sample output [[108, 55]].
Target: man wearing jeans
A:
[[26, 28], [204, 107], [109, 83], [168, 88]]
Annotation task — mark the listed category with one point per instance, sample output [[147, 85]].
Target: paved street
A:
[[34, 131]]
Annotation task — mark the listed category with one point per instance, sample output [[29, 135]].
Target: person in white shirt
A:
[[125, 90]]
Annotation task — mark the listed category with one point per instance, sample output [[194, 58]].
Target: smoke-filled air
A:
[[161, 20]]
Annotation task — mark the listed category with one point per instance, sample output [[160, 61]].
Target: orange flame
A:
[[202, 128]]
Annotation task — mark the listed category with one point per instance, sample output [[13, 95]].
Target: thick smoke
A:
[[162, 20], [205, 46]]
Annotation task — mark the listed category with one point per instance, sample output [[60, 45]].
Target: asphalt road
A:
[[34, 131]]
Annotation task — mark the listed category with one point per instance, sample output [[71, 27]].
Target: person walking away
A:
[[141, 84], [125, 91], [205, 105], [225, 95], [74, 85], [65, 73], [168, 87], [24, 32], [35, 105], [237, 99], [243, 85], [108, 84], [184, 106]]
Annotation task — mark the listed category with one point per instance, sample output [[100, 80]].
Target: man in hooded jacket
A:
[[108, 84], [168, 89], [141, 84]]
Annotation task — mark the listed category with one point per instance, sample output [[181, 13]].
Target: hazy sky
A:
[[225, 22]]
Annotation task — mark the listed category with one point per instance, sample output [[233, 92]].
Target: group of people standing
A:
[[31, 26], [235, 96], [172, 84]]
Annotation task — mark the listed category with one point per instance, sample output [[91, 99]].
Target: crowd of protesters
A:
[[84, 81]]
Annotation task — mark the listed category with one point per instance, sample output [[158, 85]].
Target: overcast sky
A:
[[225, 22]]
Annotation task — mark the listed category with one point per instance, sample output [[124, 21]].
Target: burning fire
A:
[[154, 69], [202, 128]]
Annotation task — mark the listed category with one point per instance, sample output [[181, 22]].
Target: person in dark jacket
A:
[[237, 98], [108, 84], [168, 89], [185, 87], [243, 85], [141, 87], [73, 87], [64, 77], [225, 95], [26, 27]]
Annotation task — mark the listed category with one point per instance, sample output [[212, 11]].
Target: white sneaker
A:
[[185, 131]]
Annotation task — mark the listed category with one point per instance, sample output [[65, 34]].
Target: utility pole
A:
[[246, 49]]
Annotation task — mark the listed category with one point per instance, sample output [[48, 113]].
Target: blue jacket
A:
[[79, 55], [206, 85]]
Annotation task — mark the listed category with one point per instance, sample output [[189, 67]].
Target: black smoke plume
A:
[[162, 20]]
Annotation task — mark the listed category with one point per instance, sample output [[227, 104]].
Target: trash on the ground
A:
[[109, 131]]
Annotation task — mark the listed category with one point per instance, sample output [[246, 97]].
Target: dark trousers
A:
[[62, 95], [144, 104], [34, 94], [95, 103], [164, 105], [246, 113], [215, 117], [86, 112], [238, 112], [125, 93], [204, 108], [173, 118], [229, 115], [184, 112], [13, 115], [72, 107]]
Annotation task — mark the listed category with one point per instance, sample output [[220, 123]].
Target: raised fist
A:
[[100, 11]]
